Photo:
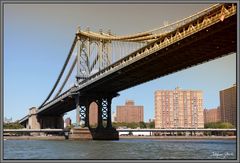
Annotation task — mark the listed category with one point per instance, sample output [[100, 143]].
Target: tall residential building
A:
[[129, 113], [212, 115], [228, 105], [179, 109]]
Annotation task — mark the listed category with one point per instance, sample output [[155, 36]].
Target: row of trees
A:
[[223, 125], [218, 125], [13, 125], [16, 125], [123, 124], [134, 125]]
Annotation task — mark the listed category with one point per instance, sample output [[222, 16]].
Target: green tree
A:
[[225, 125], [70, 126], [14, 125], [124, 124], [218, 125], [142, 125], [152, 124], [132, 125]]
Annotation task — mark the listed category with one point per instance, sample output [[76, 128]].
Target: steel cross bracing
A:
[[100, 54]]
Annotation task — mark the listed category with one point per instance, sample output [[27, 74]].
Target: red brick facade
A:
[[129, 113]]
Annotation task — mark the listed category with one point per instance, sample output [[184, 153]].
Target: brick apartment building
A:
[[129, 113], [179, 109]]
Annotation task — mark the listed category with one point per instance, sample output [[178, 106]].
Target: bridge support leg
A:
[[81, 131], [87, 115], [104, 112], [44, 121], [100, 119], [82, 113], [77, 110], [104, 132], [33, 121], [109, 117]]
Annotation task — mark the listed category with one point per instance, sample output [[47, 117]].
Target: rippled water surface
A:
[[122, 149]]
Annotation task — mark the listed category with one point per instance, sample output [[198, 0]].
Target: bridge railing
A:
[[173, 26]]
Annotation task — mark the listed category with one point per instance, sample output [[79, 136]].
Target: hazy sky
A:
[[37, 39]]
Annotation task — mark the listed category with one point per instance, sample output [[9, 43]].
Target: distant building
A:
[[129, 113], [228, 105], [114, 117], [8, 120], [150, 120], [68, 122], [212, 115], [179, 109], [93, 114]]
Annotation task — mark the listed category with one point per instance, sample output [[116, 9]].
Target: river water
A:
[[123, 149]]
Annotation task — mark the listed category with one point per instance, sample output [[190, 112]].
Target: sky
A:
[[38, 37]]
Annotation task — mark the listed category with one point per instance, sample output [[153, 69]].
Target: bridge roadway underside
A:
[[213, 42]]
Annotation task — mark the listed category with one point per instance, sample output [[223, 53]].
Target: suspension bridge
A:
[[107, 63]]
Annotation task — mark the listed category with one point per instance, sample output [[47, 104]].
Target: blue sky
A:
[[37, 39]]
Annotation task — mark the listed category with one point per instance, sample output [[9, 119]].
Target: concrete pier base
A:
[[78, 133], [105, 134], [93, 134]]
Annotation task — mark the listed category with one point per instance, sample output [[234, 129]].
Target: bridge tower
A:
[[89, 61]]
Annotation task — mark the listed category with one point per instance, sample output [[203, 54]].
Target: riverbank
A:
[[127, 137], [181, 137], [33, 137]]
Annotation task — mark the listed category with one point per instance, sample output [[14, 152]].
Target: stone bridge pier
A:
[[42, 122]]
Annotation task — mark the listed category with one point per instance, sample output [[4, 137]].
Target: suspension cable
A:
[[67, 77], [151, 34], [61, 73]]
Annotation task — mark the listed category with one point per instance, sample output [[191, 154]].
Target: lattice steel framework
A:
[[104, 108], [104, 111], [92, 55], [82, 111]]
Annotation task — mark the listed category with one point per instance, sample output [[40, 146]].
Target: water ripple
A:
[[122, 149]]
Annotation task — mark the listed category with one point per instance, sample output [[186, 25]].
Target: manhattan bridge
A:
[[107, 63]]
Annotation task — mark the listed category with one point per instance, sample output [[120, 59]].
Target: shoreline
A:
[[33, 137], [127, 137], [181, 137]]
